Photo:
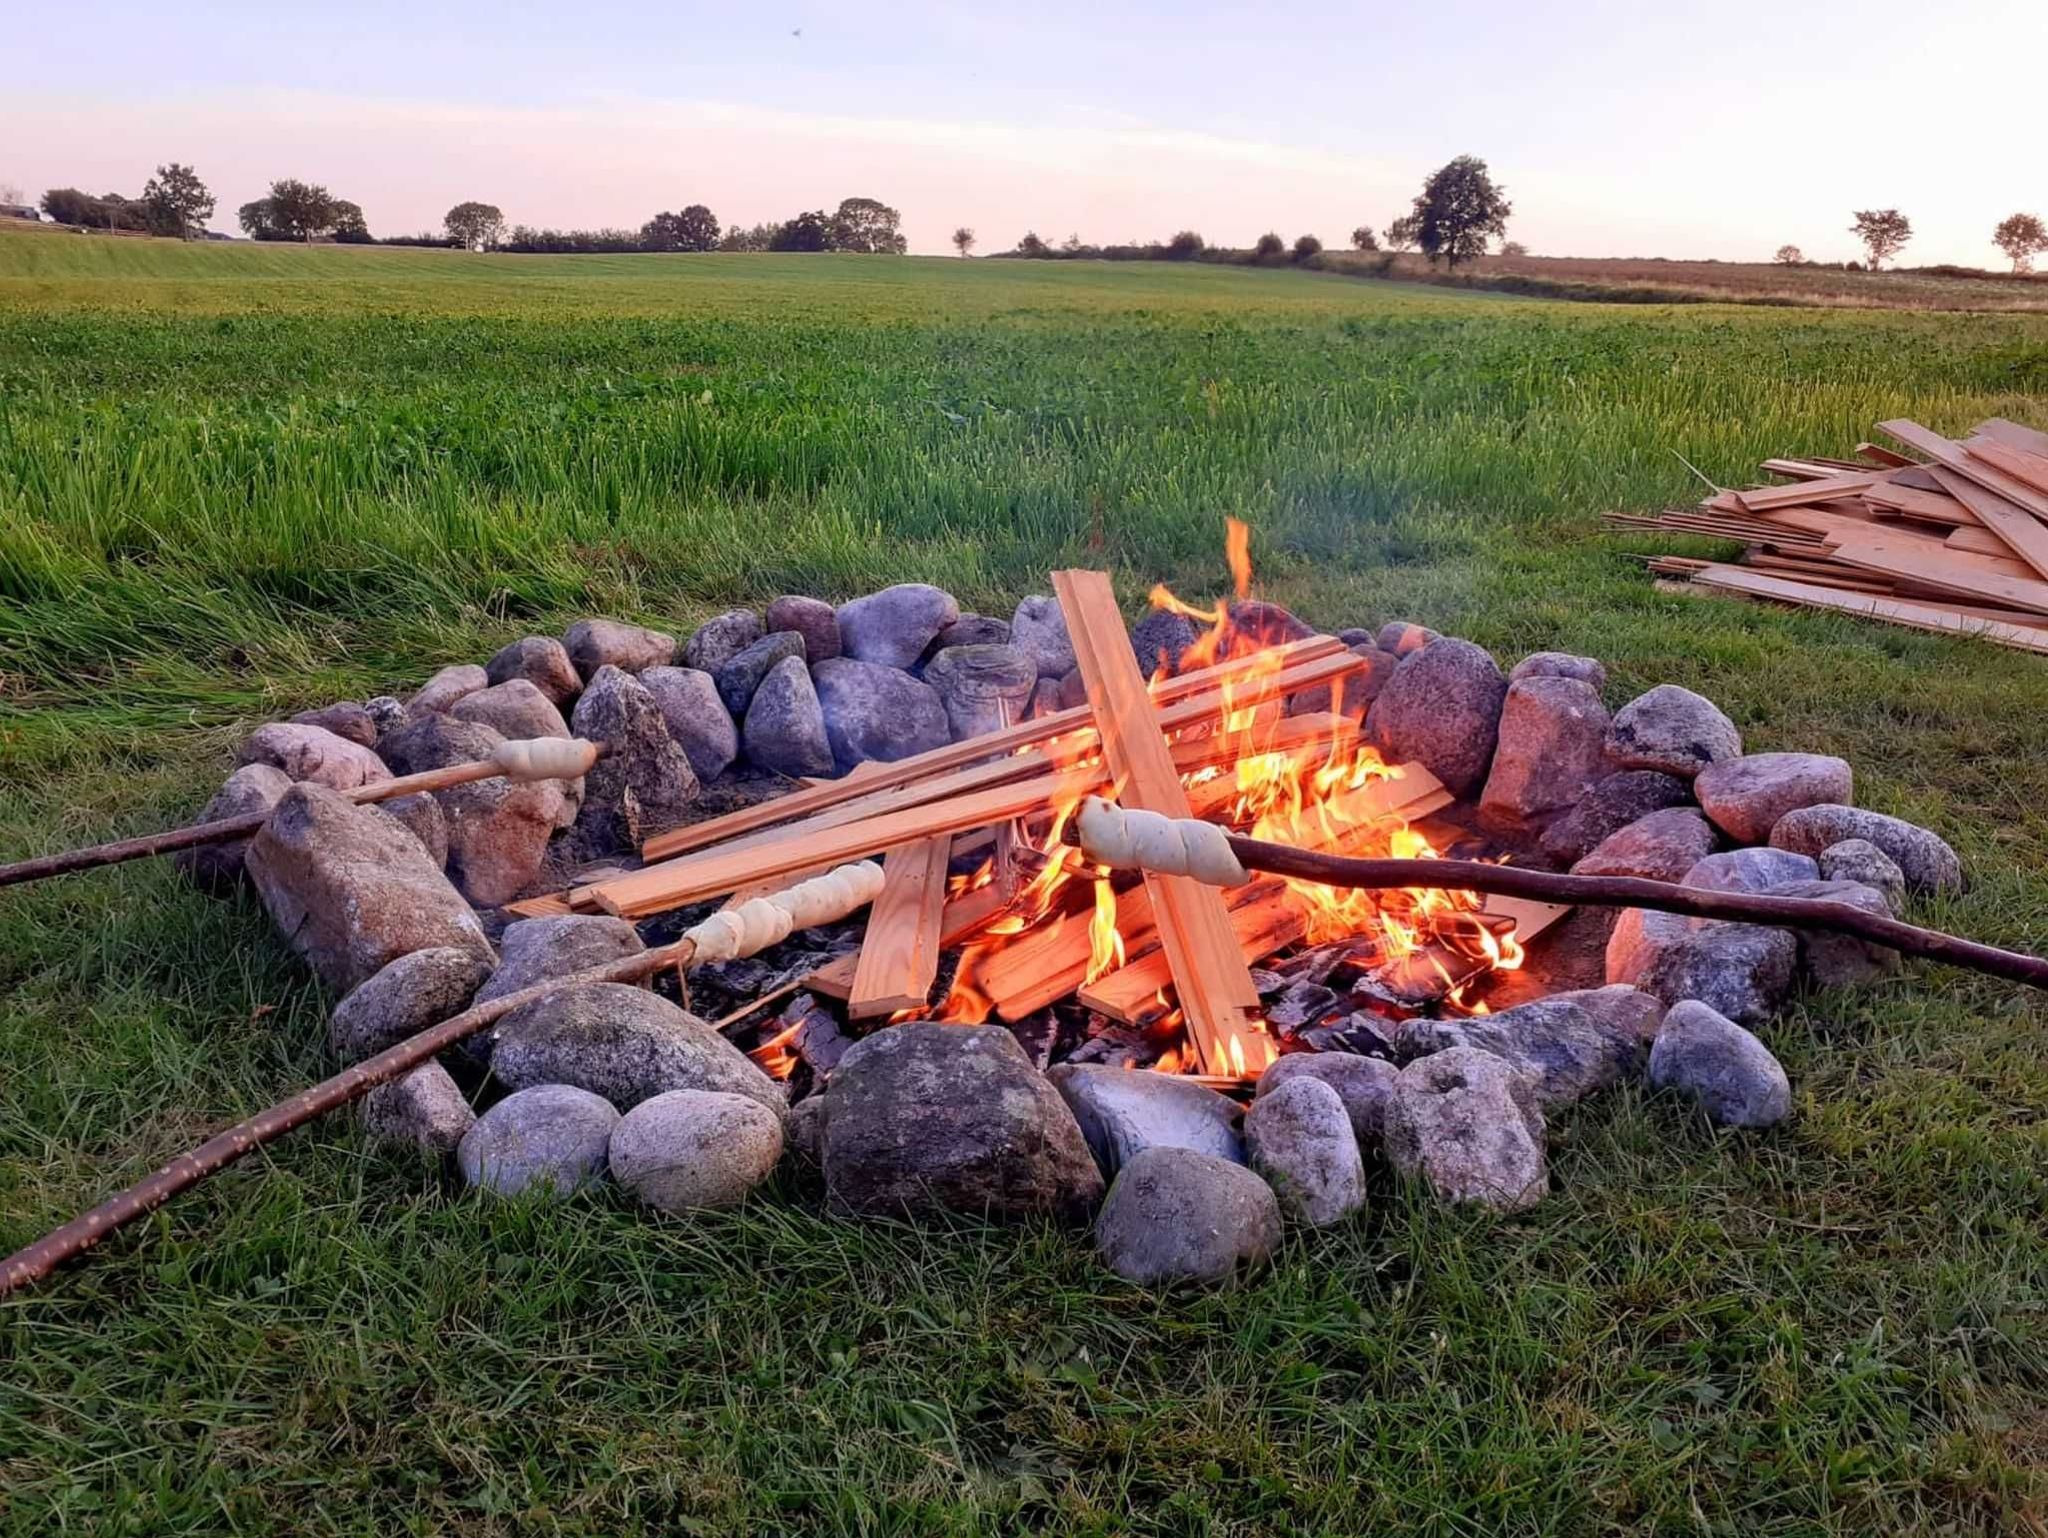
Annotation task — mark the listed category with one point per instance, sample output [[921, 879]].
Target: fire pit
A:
[[1014, 1028]]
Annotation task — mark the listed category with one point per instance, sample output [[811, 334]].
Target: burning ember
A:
[[1301, 778]]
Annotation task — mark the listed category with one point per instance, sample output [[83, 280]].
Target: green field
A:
[[237, 481]]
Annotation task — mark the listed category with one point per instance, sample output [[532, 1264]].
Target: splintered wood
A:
[[1956, 543]]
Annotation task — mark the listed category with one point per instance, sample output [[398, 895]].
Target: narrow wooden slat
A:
[[1927, 506], [899, 955], [1968, 576], [903, 771], [1762, 499], [2028, 469], [961, 918], [2005, 511], [1216, 993], [2031, 439], [1882, 456], [1898, 611], [1977, 541]]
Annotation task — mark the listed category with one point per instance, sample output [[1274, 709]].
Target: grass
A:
[[235, 482]]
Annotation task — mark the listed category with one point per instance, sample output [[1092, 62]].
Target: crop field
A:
[[239, 481]]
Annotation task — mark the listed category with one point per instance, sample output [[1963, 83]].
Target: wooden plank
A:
[[1977, 541], [1883, 456], [1897, 611], [1033, 733], [1970, 478], [959, 920], [2028, 438], [1215, 988], [2028, 469], [899, 954], [1967, 576], [1763, 499], [1927, 506]]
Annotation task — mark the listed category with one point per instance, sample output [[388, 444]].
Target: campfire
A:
[[1245, 728]]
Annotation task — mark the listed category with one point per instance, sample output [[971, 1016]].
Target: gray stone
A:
[[1045, 698], [517, 710], [693, 1150], [812, 618], [1299, 1137], [924, 1117], [1364, 1084], [894, 626], [871, 711], [1746, 796], [1039, 630], [542, 661], [313, 755], [421, 816], [1587, 670], [1857, 859], [785, 725], [1401, 637], [1267, 623], [346, 719], [1161, 639], [967, 630], [644, 783], [983, 688], [1074, 690], [217, 868], [806, 1135], [1835, 960], [1743, 970], [1673, 730], [624, 1043], [424, 1109], [1175, 1215], [744, 670], [498, 830], [1610, 806], [350, 890], [1660, 847], [1360, 636], [1122, 1113], [1441, 709], [1624, 1012], [407, 995], [1710, 1059], [452, 683], [1567, 1051], [550, 1138], [724, 636], [387, 711], [696, 718], [594, 644], [1468, 1124], [1923, 858], [1748, 870], [1549, 753], [534, 950]]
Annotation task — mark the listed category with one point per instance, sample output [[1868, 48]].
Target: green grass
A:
[[235, 482]]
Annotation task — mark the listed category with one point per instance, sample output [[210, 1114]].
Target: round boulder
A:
[[1299, 1137], [1122, 1113], [593, 644], [812, 618], [406, 996], [1923, 858], [1587, 670], [744, 670], [517, 710], [1710, 1059], [551, 1137], [894, 626], [1857, 859], [346, 719], [1441, 709], [785, 726], [1175, 1215], [723, 637], [1161, 639], [1467, 1123], [543, 662], [1746, 796], [1674, 730], [448, 686], [1039, 630], [1610, 806], [1553, 731], [691, 1150], [1362, 1083], [1660, 847], [217, 868], [875, 712], [313, 755], [424, 1108], [983, 688], [695, 717], [644, 783]]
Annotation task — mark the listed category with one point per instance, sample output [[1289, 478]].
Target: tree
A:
[[1513, 248], [350, 228], [2019, 237], [68, 205], [10, 192], [1185, 246], [295, 210], [694, 229], [177, 200], [1269, 245], [810, 231], [1789, 256], [1031, 245], [1884, 233], [1363, 239], [866, 226], [474, 226], [1306, 246], [759, 237], [963, 240], [1404, 233], [1458, 210]]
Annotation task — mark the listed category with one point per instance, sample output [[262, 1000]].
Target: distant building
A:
[[21, 211]]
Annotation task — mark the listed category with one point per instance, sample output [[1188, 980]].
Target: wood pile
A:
[[1955, 539]]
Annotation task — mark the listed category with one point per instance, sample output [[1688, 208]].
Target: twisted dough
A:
[[544, 758], [764, 921], [1167, 846]]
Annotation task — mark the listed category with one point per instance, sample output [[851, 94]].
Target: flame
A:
[[1237, 550], [1105, 944]]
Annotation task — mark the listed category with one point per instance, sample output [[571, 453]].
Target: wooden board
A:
[[1215, 988], [2005, 512], [1994, 577], [1927, 506], [2031, 439], [1763, 499], [1898, 611], [2028, 469], [899, 955], [1033, 733], [959, 920]]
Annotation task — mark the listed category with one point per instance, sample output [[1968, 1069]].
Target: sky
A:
[[1673, 129]]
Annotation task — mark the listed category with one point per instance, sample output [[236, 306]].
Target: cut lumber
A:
[[2006, 582], [2023, 533], [1918, 616], [2031, 439], [1215, 988], [2004, 512], [2028, 469], [1763, 499], [959, 920], [1927, 506], [1882, 456], [899, 954], [1977, 541], [1033, 733]]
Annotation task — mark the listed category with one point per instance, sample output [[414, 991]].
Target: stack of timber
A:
[[1952, 536]]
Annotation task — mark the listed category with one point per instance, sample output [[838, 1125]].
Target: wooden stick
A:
[[1632, 892], [899, 954], [502, 763]]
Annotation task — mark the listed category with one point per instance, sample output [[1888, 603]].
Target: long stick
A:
[[541, 758], [39, 1259], [1633, 892]]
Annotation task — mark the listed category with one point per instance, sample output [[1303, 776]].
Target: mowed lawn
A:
[[235, 482]]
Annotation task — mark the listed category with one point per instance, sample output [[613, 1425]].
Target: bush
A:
[[1363, 239], [1306, 246], [1269, 246], [1184, 245]]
